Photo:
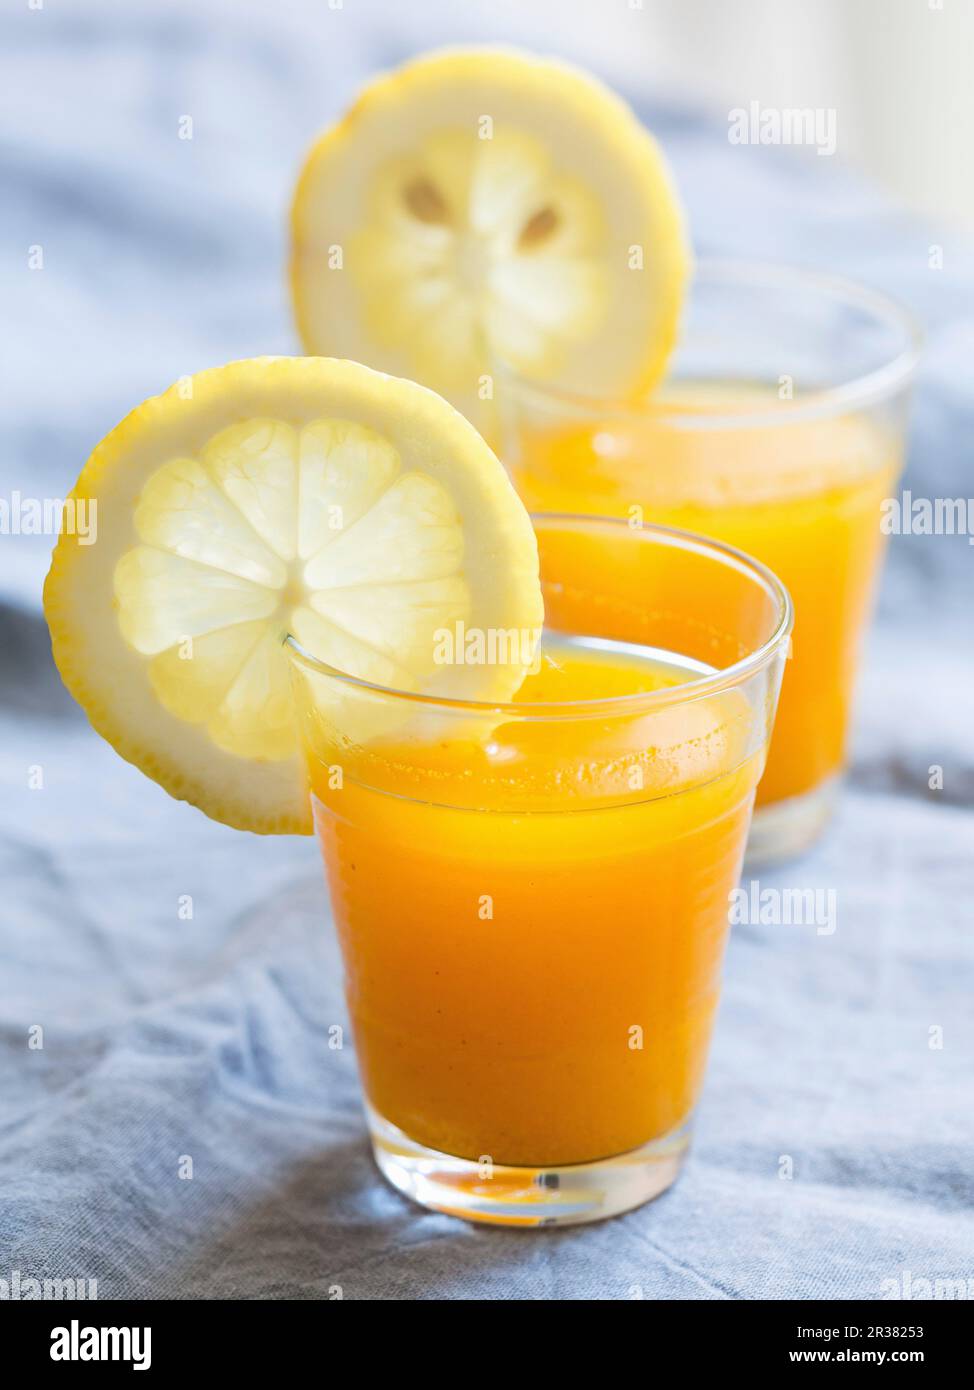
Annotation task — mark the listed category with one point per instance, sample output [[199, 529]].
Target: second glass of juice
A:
[[532, 898], [779, 429]]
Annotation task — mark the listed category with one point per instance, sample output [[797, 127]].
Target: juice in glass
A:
[[781, 432], [532, 899]]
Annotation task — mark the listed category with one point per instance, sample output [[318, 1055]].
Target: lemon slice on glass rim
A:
[[483, 207], [306, 495]]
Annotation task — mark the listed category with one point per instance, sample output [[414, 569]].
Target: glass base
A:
[[788, 828], [564, 1195]]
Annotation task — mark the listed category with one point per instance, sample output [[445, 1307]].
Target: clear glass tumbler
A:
[[780, 429], [532, 897]]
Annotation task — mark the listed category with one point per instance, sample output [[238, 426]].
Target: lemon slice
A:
[[359, 512], [482, 206]]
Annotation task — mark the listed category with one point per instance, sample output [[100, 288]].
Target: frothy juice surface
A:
[[802, 497], [533, 913]]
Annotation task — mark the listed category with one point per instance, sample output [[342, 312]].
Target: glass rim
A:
[[866, 388], [695, 688]]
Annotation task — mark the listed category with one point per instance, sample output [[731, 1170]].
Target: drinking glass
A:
[[780, 429], [532, 897]]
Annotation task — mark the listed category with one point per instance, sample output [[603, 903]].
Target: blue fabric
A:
[[208, 1038]]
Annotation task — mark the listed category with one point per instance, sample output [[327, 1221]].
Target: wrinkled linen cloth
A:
[[835, 1141]]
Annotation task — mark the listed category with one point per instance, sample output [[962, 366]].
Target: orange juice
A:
[[539, 985], [532, 897], [804, 497]]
